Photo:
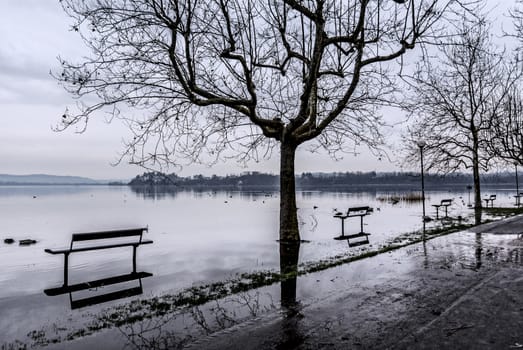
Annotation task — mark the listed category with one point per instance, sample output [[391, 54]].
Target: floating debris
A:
[[9, 241], [27, 241]]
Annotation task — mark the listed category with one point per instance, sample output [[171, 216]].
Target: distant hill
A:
[[43, 179]]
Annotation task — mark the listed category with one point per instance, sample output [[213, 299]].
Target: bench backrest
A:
[[446, 201], [91, 236], [358, 211]]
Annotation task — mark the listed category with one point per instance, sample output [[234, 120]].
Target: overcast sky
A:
[[33, 34]]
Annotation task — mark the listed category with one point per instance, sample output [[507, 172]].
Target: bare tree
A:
[[457, 100], [198, 78], [507, 142], [506, 134], [517, 16]]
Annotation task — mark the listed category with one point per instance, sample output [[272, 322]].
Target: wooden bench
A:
[[490, 199], [444, 203], [111, 239], [353, 212]]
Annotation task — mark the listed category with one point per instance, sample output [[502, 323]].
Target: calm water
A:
[[198, 237]]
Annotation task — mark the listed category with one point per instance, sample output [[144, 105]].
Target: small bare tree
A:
[[456, 101], [507, 134], [507, 142], [195, 78], [517, 16]]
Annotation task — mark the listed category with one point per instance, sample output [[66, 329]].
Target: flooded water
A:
[[199, 237]]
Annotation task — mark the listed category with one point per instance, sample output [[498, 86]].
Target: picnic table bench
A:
[[490, 199], [444, 203], [353, 212], [112, 240]]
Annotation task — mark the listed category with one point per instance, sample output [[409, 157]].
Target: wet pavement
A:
[[460, 291], [444, 301]]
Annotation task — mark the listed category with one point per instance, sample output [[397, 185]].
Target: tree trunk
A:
[[289, 231], [289, 256], [477, 184]]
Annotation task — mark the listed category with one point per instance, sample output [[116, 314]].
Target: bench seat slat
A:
[[107, 234], [97, 247], [359, 213], [358, 209]]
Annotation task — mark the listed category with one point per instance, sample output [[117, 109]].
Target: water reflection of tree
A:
[[478, 250], [155, 192], [477, 215], [290, 329], [424, 244], [178, 329]]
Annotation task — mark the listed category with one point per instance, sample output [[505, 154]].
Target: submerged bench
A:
[[353, 212], [490, 199], [518, 199], [444, 203], [105, 240]]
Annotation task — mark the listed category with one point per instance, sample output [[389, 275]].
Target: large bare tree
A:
[[457, 99], [196, 78]]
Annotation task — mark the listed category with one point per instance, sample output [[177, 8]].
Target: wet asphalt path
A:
[[462, 291]]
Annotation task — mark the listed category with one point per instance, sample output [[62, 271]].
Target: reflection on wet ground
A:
[[375, 302], [122, 290], [424, 296]]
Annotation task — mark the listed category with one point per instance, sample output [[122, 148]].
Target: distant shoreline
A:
[[402, 186], [268, 181], [60, 184]]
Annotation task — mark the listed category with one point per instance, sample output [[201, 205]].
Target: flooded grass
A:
[[16, 345], [503, 211]]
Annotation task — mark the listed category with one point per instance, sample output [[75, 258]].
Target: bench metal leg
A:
[[361, 222], [446, 214], [66, 269], [134, 259], [437, 213]]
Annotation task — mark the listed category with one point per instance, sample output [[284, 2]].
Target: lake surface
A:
[[199, 237]]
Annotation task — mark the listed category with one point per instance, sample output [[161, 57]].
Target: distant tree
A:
[[195, 78], [507, 131], [517, 16], [457, 100], [508, 136]]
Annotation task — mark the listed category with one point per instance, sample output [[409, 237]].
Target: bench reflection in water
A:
[[93, 289]]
